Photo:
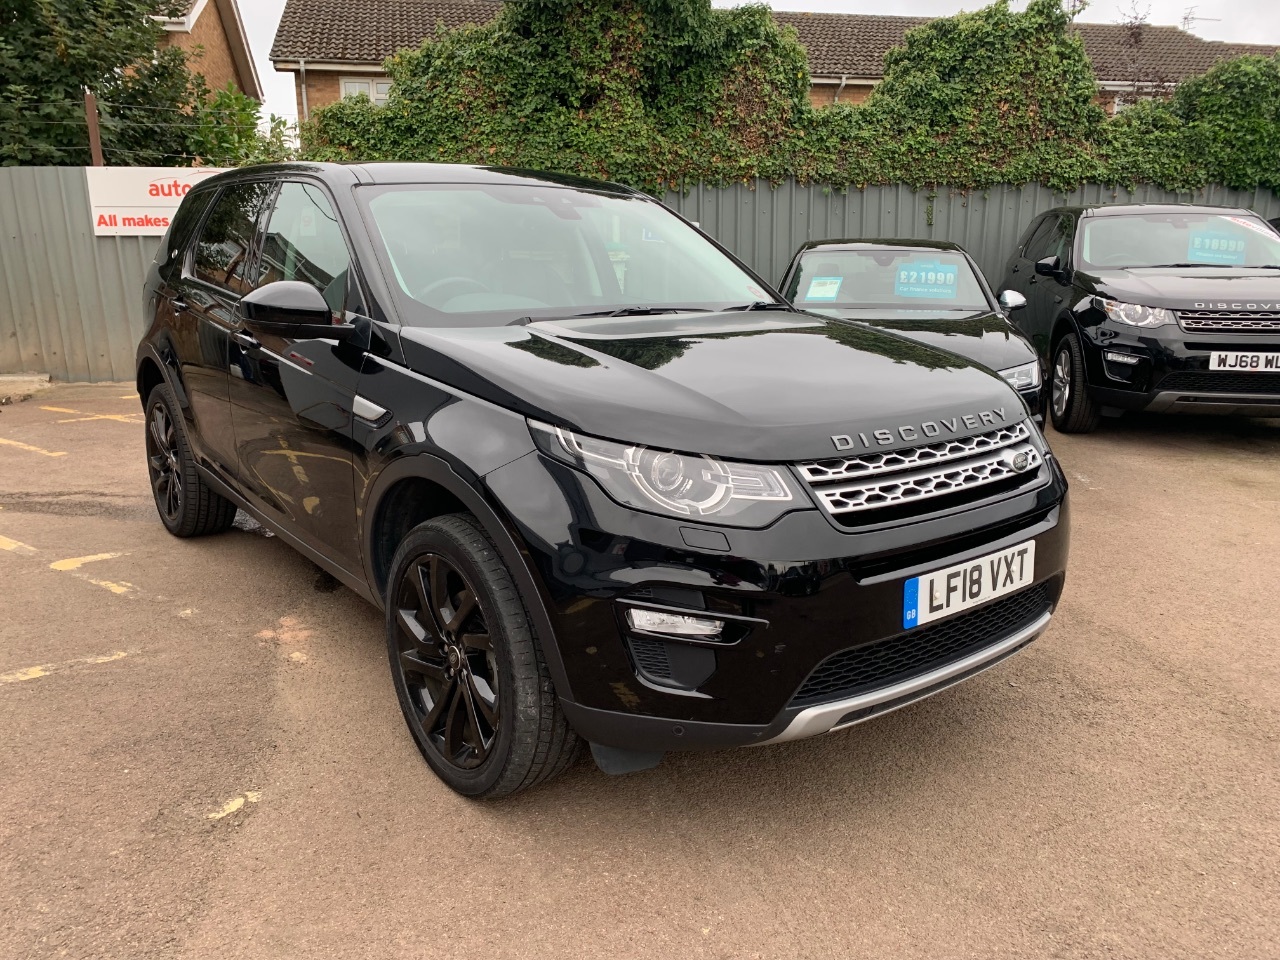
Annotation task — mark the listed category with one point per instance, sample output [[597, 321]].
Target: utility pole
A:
[[95, 132]]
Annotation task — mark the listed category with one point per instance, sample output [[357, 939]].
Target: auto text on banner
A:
[[139, 201]]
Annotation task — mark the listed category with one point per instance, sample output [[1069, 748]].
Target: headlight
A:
[[1135, 314], [684, 485], [1023, 377]]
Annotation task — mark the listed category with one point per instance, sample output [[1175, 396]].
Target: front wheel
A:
[[1070, 406], [186, 504], [468, 671]]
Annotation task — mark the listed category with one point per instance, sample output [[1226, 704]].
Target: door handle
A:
[[246, 340], [1057, 299]]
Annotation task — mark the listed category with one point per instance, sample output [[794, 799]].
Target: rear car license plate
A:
[[1239, 362], [946, 592]]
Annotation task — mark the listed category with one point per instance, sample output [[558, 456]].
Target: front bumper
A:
[[800, 591], [1172, 372]]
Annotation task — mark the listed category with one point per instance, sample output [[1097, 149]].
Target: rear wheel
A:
[[1070, 406], [469, 674], [187, 507]]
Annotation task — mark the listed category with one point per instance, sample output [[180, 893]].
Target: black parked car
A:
[[930, 291], [1159, 307], [603, 484]]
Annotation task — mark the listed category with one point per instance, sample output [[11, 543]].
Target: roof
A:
[[368, 31], [394, 173], [1132, 209], [877, 244], [838, 44]]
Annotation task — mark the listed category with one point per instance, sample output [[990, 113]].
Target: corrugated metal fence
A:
[[764, 225], [71, 303]]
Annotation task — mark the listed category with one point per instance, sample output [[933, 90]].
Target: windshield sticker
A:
[[1215, 246], [1254, 225], [927, 279], [824, 288], [648, 236]]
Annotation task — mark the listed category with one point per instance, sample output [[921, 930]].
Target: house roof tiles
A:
[[839, 44]]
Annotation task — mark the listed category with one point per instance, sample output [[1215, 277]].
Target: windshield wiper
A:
[[642, 311], [1228, 266], [761, 305]]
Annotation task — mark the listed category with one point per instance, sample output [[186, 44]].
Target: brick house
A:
[[335, 48], [213, 33]]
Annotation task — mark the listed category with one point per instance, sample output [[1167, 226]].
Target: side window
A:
[[304, 242], [226, 240], [1039, 246]]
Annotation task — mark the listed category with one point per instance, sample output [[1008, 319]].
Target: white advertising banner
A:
[[139, 201]]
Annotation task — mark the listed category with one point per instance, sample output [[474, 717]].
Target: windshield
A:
[[1177, 239], [887, 282], [486, 255]]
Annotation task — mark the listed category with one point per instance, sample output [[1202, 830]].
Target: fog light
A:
[[1121, 357], [673, 624]]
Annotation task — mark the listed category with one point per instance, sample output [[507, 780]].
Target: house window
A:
[[377, 89]]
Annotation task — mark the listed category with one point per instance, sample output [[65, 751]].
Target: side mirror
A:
[[1049, 267], [1012, 300], [291, 309]]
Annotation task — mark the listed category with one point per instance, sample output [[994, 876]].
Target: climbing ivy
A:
[[663, 93]]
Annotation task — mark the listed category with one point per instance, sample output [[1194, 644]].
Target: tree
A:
[[154, 110]]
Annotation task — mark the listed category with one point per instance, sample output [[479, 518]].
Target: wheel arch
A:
[[414, 489], [155, 368]]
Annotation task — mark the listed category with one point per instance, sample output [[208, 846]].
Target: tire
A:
[[187, 507], [1070, 406], [468, 671]]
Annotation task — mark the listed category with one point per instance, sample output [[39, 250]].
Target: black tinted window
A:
[[1037, 246], [304, 242], [227, 237]]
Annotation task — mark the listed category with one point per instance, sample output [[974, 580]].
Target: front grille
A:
[[1249, 383], [1234, 321], [850, 487], [895, 659]]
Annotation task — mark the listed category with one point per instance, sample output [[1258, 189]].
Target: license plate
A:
[[947, 592], [1244, 362]]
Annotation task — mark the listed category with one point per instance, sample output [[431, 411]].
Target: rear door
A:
[[291, 400], [205, 293]]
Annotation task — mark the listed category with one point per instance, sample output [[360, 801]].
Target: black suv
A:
[[603, 484], [928, 290], [1159, 307]]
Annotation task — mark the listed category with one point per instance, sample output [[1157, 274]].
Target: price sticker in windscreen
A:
[[1215, 246], [824, 288], [927, 280]]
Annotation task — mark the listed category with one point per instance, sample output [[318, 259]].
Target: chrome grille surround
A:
[[850, 487], [1229, 321], [871, 464]]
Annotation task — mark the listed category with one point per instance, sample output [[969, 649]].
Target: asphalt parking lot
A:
[[203, 757]]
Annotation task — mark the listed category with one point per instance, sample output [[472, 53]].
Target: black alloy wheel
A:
[[163, 463], [1070, 406], [446, 656], [186, 504], [469, 672]]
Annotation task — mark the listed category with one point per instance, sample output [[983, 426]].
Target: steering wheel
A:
[[431, 292]]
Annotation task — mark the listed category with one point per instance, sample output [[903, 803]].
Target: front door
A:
[[210, 283], [1045, 294], [291, 400]]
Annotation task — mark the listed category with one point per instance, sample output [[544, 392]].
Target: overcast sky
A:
[[1242, 21]]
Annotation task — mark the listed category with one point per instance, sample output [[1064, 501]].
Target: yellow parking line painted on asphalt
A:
[[30, 449], [120, 589], [75, 563], [81, 416], [44, 669], [13, 546], [234, 804]]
